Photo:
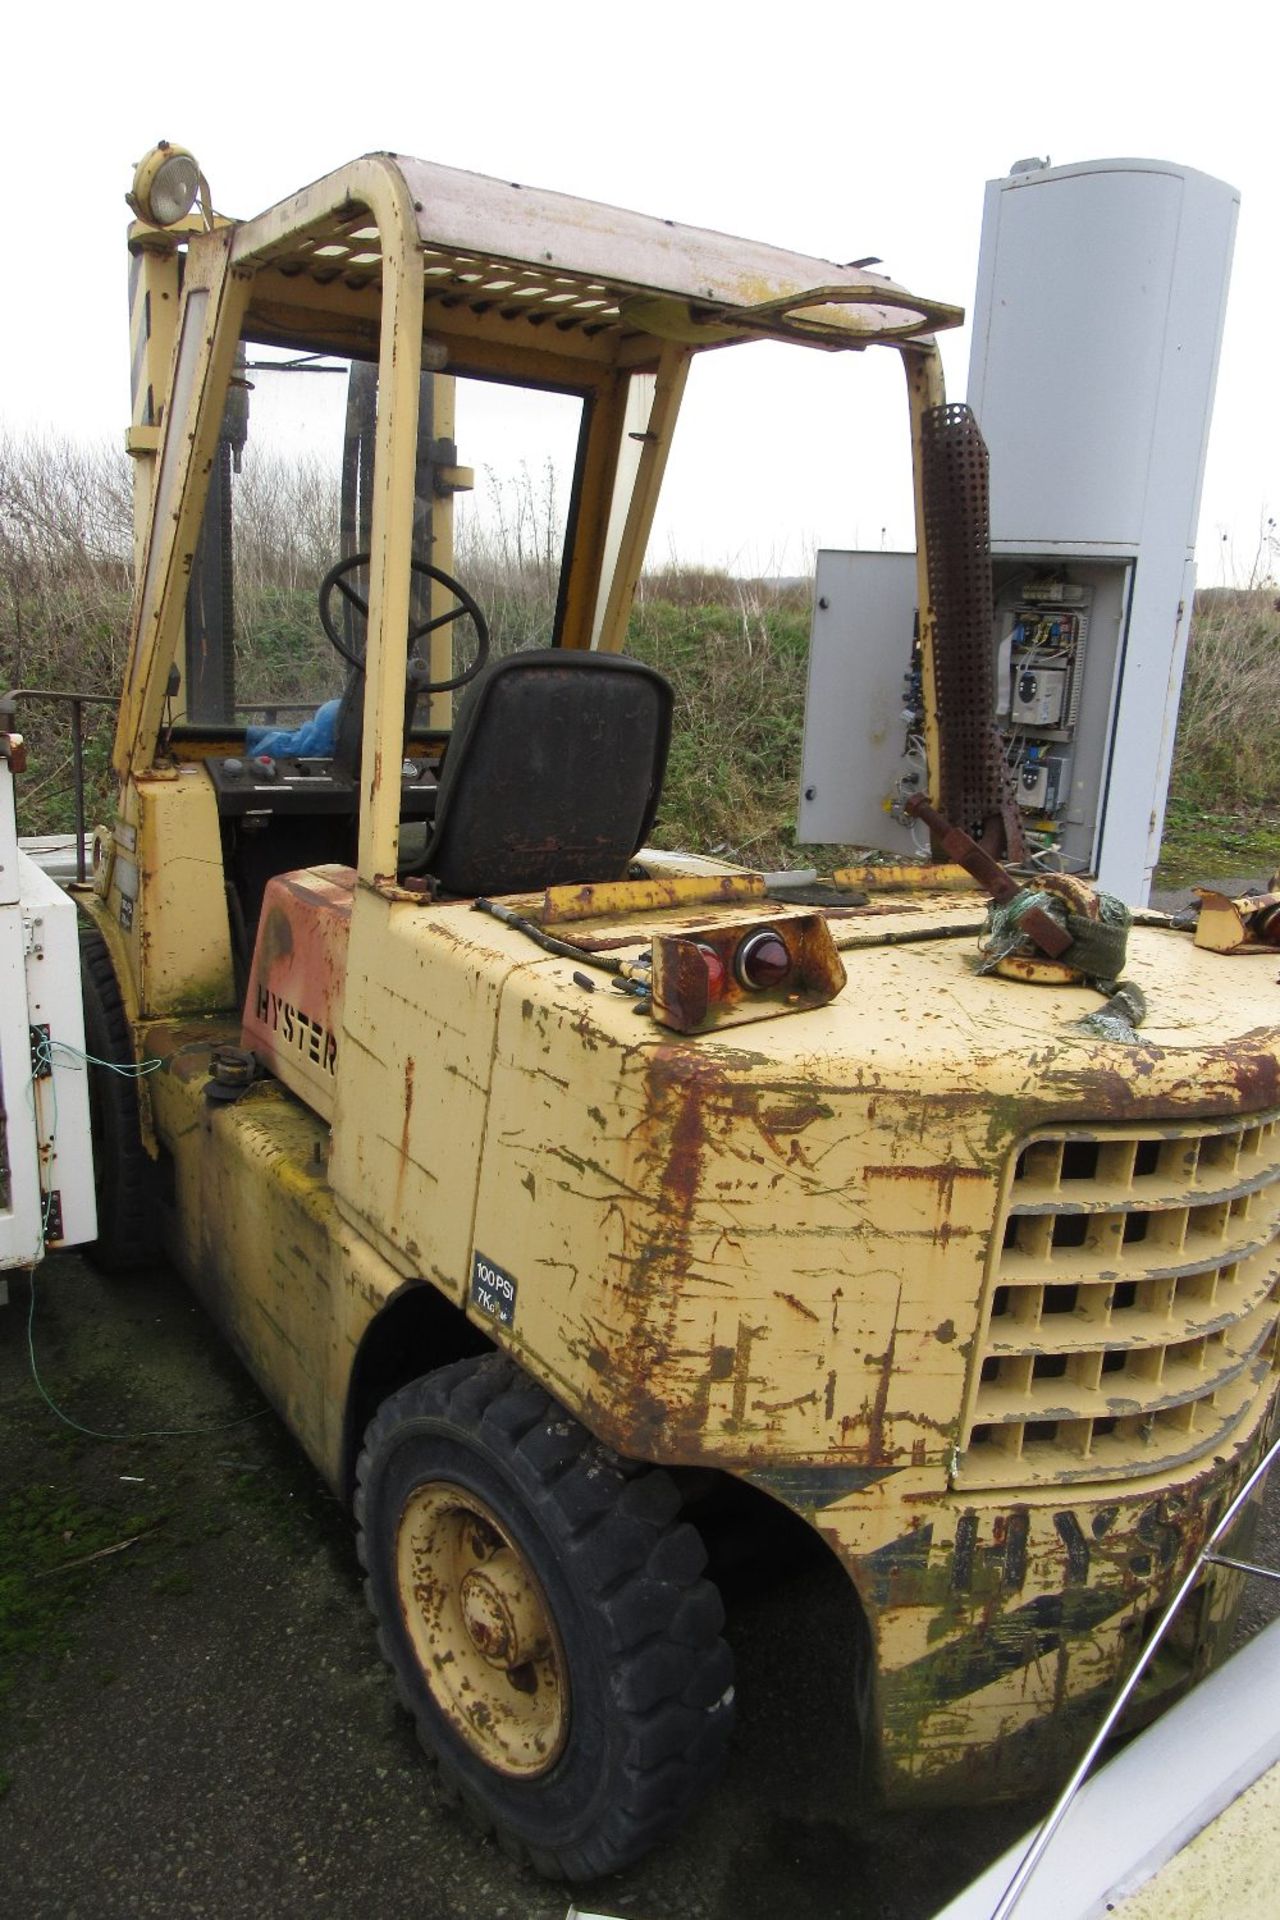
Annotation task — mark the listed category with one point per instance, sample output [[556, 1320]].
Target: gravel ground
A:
[[204, 1727], [201, 1725]]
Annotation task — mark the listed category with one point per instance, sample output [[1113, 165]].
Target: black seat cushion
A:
[[553, 773]]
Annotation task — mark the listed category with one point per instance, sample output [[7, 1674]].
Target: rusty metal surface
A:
[[765, 1251], [297, 982], [619, 899], [695, 977], [1006, 1627], [504, 247], [1039, 926], [1248, 925], [972, 782], [731, 1251], [482, 1630], [906, 877]]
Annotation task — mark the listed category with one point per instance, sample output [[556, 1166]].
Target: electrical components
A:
[[1042, 625], [1041, 780], [1038, 696]]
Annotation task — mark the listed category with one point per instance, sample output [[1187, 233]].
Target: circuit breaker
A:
[[1056, 638]]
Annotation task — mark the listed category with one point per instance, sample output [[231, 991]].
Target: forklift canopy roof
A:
[[507, 260]]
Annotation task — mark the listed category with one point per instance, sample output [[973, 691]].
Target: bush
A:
[[66, 556], [1227, 752], [739, 676], [735, 650]]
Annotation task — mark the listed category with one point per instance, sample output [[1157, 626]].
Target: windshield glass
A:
[[291, 498]]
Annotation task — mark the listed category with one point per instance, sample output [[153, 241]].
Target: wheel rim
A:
[[482, 1630]]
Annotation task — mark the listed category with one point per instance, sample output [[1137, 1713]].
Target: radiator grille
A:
[[1130, 1317]]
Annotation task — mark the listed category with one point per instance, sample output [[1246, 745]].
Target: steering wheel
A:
[[336, 580]]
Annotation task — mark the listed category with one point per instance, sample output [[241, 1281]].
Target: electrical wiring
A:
[[44, 1055], [142, 1433]]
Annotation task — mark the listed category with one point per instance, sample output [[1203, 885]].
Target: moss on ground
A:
[[54, 1546], [1203, 843]]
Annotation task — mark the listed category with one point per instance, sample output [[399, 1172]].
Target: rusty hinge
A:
[[53, 1215]]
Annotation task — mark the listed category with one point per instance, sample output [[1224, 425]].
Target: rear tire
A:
[[123, 1173], [542, 1609]]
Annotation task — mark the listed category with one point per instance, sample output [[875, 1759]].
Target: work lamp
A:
[[165, 185]]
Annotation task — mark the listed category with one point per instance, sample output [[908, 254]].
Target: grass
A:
[[1214, 843], [1224, 795], [738, 668], [735, 651], [46, 1537]]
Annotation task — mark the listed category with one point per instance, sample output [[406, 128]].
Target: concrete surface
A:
[[1176, 1786], [1229, 1868]]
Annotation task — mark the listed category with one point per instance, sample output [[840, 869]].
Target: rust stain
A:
[[403, 1163], [799, 1305], [794, 1119], [943, 1176], [809, 1399], [681, 1178], [876, 1422], [747, 1335]]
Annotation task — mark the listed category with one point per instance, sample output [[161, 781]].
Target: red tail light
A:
[[762, 961], [718, 976], [717, 972]]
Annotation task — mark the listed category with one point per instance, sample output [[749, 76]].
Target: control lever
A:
[[1039, 926]]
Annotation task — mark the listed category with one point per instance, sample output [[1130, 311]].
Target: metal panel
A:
[[61, 1106], [20, 1237], [1066, 369], [855, 734], [44, 1116]]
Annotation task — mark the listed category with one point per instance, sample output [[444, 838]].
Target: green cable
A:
[[45, 1049], [145, 1433], [44, 1057]]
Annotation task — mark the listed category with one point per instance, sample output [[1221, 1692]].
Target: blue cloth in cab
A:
[[315, 736]]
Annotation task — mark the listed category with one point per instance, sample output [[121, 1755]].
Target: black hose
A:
[[563, 949]]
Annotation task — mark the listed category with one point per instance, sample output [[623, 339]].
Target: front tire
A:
[[543, 1611]]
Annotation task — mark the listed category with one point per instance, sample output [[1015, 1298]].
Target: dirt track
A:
[[200, 1724]]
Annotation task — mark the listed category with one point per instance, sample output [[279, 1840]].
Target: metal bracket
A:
[[52, 1219], [41, 1052]]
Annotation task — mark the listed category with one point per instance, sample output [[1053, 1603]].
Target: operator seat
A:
[[552, 775]]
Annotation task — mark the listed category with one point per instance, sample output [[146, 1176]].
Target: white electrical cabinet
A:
[[46, 1158], [1096, 329]]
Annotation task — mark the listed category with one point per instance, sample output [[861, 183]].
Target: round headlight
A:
[[165, 185]]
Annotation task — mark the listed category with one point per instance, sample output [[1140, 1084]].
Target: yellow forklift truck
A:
[[555, 1189]]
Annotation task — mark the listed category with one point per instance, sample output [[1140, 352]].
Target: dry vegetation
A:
[[66, 521], [735, 651]]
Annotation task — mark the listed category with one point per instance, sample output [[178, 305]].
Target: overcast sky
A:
[[835, 130]]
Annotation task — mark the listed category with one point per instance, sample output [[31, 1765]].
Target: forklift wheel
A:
[[122, 1172], [543, 1612]]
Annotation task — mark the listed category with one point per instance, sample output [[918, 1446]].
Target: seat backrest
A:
[[553, 773]]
